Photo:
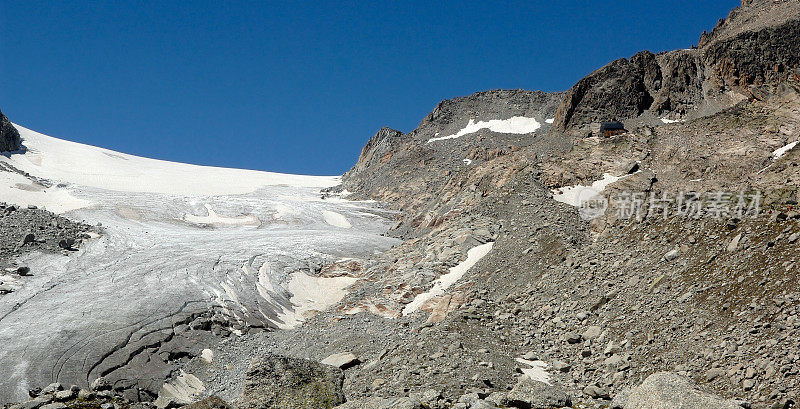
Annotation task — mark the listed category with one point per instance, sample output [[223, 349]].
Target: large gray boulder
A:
[[9, 136], [281, 382], [530, 394], [666, 390]]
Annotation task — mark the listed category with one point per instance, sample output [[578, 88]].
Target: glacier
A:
[[177, 240]]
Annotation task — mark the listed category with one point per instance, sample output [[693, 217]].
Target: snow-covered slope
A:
[[74, 163], [180, 240]]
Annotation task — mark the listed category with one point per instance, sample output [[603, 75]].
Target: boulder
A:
[[65, 395], [101, 384], [342, 360], [530, 394], [211, 402], [281, 382], [672, 255], [592, 332], [28, 238], [66, 244], [665, 390]]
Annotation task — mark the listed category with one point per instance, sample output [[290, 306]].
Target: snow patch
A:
[[336, 219], [19, 190], [671, 121], [312, 294], [537, 370], [207, 355], [74, 163], [549, 120], [571, 194], [777, 153], [441, 284], [514, 125], [184, 389], [467, 162], [218, 220]]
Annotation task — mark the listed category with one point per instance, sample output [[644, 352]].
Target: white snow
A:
[[537, 370], [514, 125], [17, 189], [549, 120], [215, 219], [781, 151], [84, 165], [467, 161], [441, 284], [671, 121], [571, 194], [336, 219], [312, 294], [184, 389], [207, 355]]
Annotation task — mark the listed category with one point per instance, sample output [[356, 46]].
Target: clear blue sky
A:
[[299, 86]]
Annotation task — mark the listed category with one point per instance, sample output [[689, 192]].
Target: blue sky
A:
[[299, 86]]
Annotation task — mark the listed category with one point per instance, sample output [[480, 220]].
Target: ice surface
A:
[[178, 240]]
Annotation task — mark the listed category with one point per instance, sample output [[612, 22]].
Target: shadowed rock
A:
[[9, 136], [290, 383], [755, 46]]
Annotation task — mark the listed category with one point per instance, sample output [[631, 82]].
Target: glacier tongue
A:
[[179, 241]]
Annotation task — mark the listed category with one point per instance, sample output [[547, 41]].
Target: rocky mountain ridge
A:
[[740, 56]]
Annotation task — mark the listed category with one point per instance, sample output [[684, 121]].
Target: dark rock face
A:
[[621, 89], [757, 45], [291, 383], [659, 84], [9, 136], [755, 58]]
